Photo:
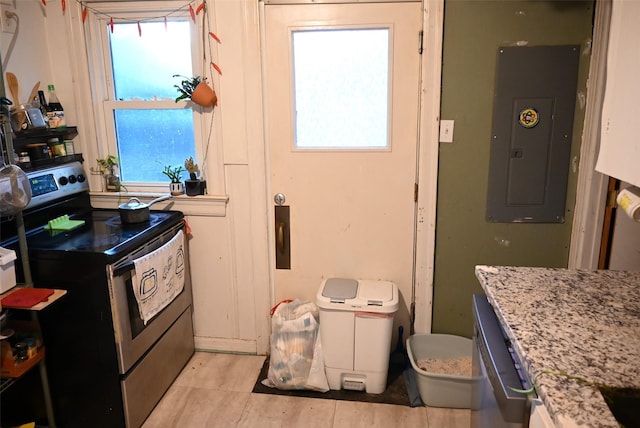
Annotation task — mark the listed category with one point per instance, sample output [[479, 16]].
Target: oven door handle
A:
[[121, 270]]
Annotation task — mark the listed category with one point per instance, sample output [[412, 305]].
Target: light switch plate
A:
[[446, 131]]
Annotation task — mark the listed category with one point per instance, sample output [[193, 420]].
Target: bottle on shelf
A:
[[55, 112], [43, 107]]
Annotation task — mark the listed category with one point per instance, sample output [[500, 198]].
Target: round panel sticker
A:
[[529, 117]]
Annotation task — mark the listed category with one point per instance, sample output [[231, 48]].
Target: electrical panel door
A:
[[535, 96]]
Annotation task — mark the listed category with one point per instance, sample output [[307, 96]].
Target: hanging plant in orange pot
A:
[[204, 95], [197, 90]]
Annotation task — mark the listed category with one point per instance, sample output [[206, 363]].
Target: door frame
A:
[[428, 143], [591, 194], [427, 159]]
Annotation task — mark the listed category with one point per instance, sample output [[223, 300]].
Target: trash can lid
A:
[[340, 288], [358, 295]]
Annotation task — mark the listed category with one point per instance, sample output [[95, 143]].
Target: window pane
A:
[[150, 139], [144, 65], [341, 88], [143, 69]]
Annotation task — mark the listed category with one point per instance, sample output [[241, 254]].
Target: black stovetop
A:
[[103, 232], [102, 236], [102, 240]]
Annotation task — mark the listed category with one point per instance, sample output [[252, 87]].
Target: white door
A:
[[342, 108]]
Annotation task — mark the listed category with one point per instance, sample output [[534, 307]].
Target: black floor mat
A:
[[395, 392]]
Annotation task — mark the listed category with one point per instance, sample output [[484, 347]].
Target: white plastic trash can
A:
[[356, 323]]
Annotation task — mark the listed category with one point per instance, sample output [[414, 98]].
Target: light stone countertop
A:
[[582, 323]]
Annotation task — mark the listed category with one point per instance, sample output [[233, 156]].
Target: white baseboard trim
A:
[[236, 346]]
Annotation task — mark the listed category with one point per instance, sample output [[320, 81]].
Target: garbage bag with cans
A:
[[296, 360]]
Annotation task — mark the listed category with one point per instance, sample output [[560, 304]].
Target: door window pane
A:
[[341, 87]]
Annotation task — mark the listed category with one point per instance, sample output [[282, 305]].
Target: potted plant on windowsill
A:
[[107, 168], [194, 186], [175, 175], [197, 90]]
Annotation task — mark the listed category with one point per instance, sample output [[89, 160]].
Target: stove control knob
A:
[[72, 179], [81, 178], [63, 181]]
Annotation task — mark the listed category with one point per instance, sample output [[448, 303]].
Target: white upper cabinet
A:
[[619, 155]]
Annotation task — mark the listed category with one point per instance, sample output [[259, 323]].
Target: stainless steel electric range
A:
[[106, 367]]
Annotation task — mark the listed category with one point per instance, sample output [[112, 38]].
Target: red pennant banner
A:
[[215, 66]]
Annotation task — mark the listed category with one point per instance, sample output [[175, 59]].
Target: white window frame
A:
[[99, 55]]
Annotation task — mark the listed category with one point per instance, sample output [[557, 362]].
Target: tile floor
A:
[[214, 390]]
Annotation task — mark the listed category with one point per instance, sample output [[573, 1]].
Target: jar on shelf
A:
[[19, 117], [24, 157], [20, 352], [58, 149], [68, 145], [32, 348]]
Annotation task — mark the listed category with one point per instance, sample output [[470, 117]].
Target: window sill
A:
[[203, 205]]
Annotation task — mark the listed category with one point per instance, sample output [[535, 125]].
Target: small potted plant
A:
[[193, 185], [175, 175], [197, 90], [107, 168]]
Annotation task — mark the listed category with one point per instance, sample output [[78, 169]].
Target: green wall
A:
[[473, 31]]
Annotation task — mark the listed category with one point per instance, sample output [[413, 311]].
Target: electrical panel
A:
[[534, 104]]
